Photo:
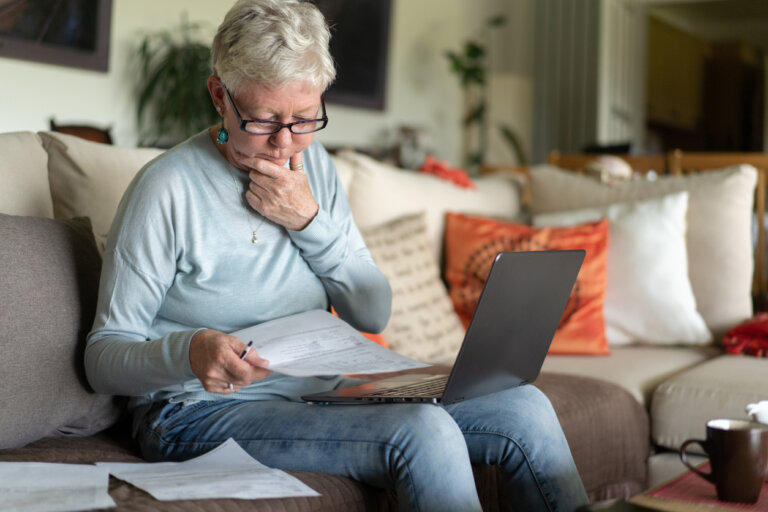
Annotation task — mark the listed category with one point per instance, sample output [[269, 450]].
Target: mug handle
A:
[[684, 458]]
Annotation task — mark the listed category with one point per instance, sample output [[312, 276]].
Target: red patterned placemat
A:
[[691, 488]]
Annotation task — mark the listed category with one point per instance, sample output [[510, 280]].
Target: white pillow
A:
[[381, 192], [718, 237], [88, 179], [648, 295], [423, 324]]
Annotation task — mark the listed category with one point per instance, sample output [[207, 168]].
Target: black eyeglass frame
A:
[[277, 124]]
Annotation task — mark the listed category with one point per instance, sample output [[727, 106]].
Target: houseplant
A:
[[172, 99], [471, 68]]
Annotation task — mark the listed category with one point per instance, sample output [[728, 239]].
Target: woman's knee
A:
[[428, 425]]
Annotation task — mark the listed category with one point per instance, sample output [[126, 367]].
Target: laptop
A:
[[520, 307]]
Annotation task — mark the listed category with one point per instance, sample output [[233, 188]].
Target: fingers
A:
[[282, 196], [297, 163], [215, 361]]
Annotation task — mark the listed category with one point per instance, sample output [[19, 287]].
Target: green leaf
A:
[[514, 143], [172, 97], [497, 21], [472, 50], [475, 115], [474, 74]]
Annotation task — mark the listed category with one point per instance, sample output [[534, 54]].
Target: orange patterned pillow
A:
[[471, 243]]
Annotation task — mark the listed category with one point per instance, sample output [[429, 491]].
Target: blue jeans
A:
[[423, 451]]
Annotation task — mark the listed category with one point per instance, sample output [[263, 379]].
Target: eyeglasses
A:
[[264, 127]]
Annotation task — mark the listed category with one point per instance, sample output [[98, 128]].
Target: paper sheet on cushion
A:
[[227, 471], [51, 487], [318, 343]]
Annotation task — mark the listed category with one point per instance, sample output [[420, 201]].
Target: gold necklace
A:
[[254, 238]]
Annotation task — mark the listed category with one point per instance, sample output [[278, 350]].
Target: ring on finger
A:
[[231, 387], [298, 168]]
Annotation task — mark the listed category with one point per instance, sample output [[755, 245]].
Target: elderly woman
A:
[[247, 222]]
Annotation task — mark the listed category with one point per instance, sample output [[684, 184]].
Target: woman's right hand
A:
[[215, 359]]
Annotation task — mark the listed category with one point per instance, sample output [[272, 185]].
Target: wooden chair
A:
[[683, 162], [91, 133], [578, 161]]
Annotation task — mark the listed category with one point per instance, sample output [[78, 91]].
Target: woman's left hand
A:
[[281, 195]]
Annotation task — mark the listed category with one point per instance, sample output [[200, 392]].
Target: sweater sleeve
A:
[[139, 267], [336, 252]]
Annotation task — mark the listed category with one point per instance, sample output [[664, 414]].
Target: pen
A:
[[247, 349]]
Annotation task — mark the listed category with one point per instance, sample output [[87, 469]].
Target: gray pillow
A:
[[49, 276]]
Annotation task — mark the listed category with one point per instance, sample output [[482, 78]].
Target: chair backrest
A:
[[578, 161], [91, 133]]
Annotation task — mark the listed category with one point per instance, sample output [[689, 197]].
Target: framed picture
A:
[[360, 48], [63, 32]]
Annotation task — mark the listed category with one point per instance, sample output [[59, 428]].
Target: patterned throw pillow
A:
[[471, 243], [423, 324]]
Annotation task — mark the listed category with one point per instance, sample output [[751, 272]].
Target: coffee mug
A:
[[738, 456], [758, 411]]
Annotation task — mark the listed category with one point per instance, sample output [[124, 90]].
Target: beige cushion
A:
[[423, 324], [647, 274], [720, 388], [638, 369], [380, 193], [719, 239], [24, 186], [345, 170], [88, 178]]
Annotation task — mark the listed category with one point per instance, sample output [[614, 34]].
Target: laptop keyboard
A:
[[432, 387]]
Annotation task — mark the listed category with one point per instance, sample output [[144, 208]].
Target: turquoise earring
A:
[[222, 136]]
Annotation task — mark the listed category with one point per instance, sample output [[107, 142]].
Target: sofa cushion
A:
[[719, 236], [48, 287], [24, 186], [423, 324], [647, 274], [638, 369], [720, 388], [379, 193], [471, 245], [88, 178], [607, 431], [345, 169]]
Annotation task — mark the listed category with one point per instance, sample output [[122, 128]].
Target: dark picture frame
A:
[[71, 33], [360, 48]]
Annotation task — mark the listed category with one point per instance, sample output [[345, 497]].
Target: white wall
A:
[[32, 93], [421, 91]]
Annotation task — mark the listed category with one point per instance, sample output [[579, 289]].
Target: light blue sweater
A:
[[179, 258]]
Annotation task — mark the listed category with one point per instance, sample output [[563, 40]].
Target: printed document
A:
[[50, 487], [227, 471], [318, 343]]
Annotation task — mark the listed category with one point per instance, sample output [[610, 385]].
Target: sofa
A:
[[625, 405]]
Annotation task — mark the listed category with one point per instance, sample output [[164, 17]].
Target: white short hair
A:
[[273, 43]]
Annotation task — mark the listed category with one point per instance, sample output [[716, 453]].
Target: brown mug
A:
[[738, 457]]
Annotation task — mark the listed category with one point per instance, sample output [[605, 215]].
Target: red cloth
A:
[[749, 338], [441, 169]]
